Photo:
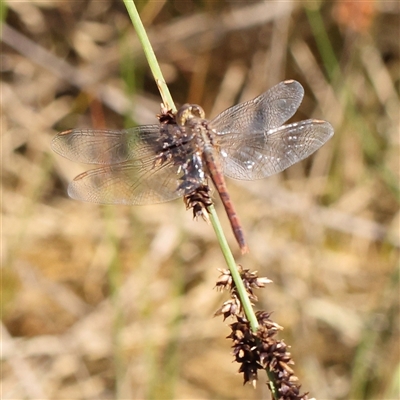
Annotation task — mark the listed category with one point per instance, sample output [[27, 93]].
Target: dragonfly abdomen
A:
[[215, 172]]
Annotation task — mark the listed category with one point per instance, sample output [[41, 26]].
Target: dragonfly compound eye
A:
[[187, 112], [197, 111]]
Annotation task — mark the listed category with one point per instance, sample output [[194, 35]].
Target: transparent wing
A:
[[269, 110], [138, 169], [137, 183], [264, 153], [92, 146]]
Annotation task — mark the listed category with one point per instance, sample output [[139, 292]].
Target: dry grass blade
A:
[[116, 302]]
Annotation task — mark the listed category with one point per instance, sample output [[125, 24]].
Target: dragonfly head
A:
[[188, 112]]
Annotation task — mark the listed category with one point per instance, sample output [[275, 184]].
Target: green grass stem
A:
[[169, 104], [150, 56]]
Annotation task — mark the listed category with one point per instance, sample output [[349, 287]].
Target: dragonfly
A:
[[155, 163]]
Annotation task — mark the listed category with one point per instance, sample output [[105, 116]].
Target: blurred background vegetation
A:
[[117, 302]]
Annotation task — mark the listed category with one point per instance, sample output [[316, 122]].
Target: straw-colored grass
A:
[[117, 302]]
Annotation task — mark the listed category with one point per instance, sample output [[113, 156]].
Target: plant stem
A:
[[151, 57], [244, 298], [169, 104]]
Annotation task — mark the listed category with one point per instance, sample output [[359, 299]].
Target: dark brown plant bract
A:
[[258, 350], [199, 200]]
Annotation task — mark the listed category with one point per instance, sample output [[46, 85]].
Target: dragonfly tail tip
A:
[[244, 249]]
